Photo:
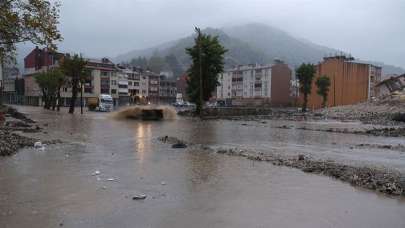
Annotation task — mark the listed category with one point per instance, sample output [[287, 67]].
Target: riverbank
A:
[[13, 124], [387, 113], [380, 179]]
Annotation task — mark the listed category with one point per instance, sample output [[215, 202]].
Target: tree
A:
[[323, 84], [141, 62], [75, 69], [174, 65], [156, 63], [27, 21], [207, 57], [305, 75], [50, 84]]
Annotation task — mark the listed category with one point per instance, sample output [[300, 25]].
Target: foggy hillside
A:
[[250, 43]]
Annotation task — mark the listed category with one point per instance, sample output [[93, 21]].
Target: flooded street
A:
[[59, 186]]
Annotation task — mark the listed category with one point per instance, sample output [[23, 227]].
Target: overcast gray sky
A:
[[369, 29]]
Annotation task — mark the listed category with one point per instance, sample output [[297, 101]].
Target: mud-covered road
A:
[[91, 179]]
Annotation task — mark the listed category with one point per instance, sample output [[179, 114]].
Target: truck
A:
[[102, 103]]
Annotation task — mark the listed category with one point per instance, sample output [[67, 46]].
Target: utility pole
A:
[[81, 98], [201, 76]]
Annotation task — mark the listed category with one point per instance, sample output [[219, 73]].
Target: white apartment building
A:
[[245, 81]]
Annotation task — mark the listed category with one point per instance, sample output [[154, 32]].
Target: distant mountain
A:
[[239, 52], [250, 43], [278, 44]]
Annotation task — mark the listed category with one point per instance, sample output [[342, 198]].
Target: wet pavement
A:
[[57, 186]]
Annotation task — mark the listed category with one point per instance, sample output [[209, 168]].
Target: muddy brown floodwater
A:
[[58, 186]]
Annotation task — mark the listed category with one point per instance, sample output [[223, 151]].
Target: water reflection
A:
[[143, 134], [202, 166]]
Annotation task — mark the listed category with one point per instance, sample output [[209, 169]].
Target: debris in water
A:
[[96, 173], [38, 145], [139, 197], [301, 157], [163, 183], [179, 145], [111, 179], [150, 112]]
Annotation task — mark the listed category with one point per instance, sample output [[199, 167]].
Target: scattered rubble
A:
[[398, 147], [374, 178], [379, 179], [382, 131], [11, 142]]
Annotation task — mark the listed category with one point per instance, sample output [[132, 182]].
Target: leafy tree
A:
[[22, 21], [50, 84], [323, 84], [156, 63], [174, 65], [305, 75], [141, 62], [207, 56], [75, 69]]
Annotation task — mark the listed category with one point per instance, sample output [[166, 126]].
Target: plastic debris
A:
[[179, 145], [38, 145], [163, 183], [139, 197], [111, 179], [96, 173]]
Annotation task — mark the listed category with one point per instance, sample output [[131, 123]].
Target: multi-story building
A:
[[268, 82], [13, 85], [351, 81], [134, 78], [125, 85], [153, 87], [181, 86], [38, 60], [167, 89]]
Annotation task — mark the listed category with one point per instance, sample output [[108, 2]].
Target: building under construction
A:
[[351, 81]]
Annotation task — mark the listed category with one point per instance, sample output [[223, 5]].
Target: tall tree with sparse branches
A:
[[305, 75], [323, 84], [207, 57], [74, 67]]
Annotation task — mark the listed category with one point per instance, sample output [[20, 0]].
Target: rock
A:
[[179, 145], [301, 157], [401, 183], [38, 145], [139, 197]]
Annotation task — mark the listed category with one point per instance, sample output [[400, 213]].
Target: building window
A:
[[113, 91]]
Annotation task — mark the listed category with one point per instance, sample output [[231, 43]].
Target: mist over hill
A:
[[249, 43]]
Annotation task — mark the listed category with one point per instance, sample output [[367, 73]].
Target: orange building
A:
[[351, 81]]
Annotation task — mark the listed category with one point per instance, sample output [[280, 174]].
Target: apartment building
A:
[[125, 84], [153, 86], [167, 89], [268, 82], [38, 60], [351, 81]]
